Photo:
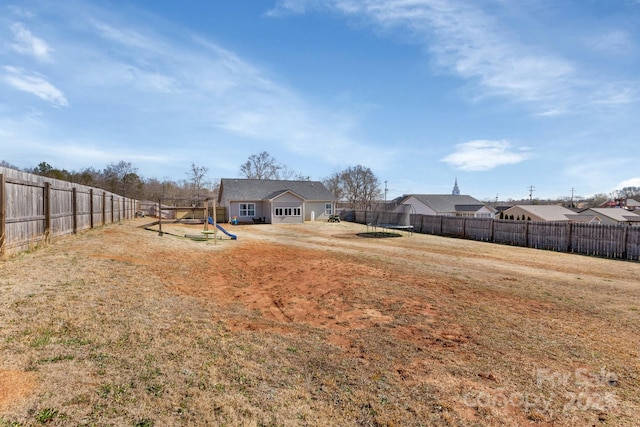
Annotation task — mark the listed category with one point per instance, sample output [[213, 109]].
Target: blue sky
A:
[[500, 94]]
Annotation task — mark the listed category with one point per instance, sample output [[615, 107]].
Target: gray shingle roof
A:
[[617, 214], [447, 203], [545, 212], [236, 189]]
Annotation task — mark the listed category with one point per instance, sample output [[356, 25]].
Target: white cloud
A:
[[486, 52], [632, 182], [483, 155], [35, 85], [126, 37], [28, 44]]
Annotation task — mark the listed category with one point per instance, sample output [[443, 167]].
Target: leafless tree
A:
[[628, 193], [357, 185], [334, 184], [5, 164], [260, 166], [196, 178]]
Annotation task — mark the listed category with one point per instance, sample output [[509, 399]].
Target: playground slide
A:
[[233, 236]]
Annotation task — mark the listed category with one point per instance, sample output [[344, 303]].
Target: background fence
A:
[[609, 241], [35, 208]]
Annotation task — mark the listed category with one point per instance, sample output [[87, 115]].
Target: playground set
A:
[[199, 211]]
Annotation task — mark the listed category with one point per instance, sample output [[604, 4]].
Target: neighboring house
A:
[[275, 201], [614, 216], [628, 204], [550, 213], [632, 204], [447, 205]]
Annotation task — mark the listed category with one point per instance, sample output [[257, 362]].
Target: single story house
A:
[[614, 216], [447, 205], [549, 213], [275, 201]]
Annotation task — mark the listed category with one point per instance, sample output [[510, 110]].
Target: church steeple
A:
[[456, 190]]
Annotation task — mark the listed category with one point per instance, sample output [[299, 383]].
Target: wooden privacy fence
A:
[[608, 241], [34, 209]]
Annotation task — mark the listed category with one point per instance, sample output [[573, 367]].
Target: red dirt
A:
[[15, 386]]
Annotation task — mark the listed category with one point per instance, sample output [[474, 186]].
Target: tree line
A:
[[357, 185]]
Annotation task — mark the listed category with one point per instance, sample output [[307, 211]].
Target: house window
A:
[[288, 211], [248, 209], [328, 208]]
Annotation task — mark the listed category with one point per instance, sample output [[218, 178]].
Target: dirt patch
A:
[[14, 387], [287, 286]]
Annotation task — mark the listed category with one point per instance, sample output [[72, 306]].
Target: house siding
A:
[[234, 210], [484, 212], [287, 200], [420, 208], [318, 210], [520, 214]]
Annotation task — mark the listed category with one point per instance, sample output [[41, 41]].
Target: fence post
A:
[[526, 234], [493, 221], [74, 208], [47, 211], [91, 208], [569, 237], [104, 208], [625, 239], [3, 214], [113, 208], [160, 217]]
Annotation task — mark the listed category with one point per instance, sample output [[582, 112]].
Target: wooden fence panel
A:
[[429, 224], [61, 208], [83, 206], [548, 235], [453, 226], [633, 244], [510, 232], [24, 218], [479, 229], [35, 208]]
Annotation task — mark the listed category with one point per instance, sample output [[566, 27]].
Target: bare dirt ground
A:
[[314, 325]]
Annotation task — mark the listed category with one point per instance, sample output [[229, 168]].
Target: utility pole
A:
[[572, 190], [531, 190], [385, 194]]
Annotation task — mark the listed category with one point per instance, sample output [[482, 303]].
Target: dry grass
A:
[[313, 325]]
